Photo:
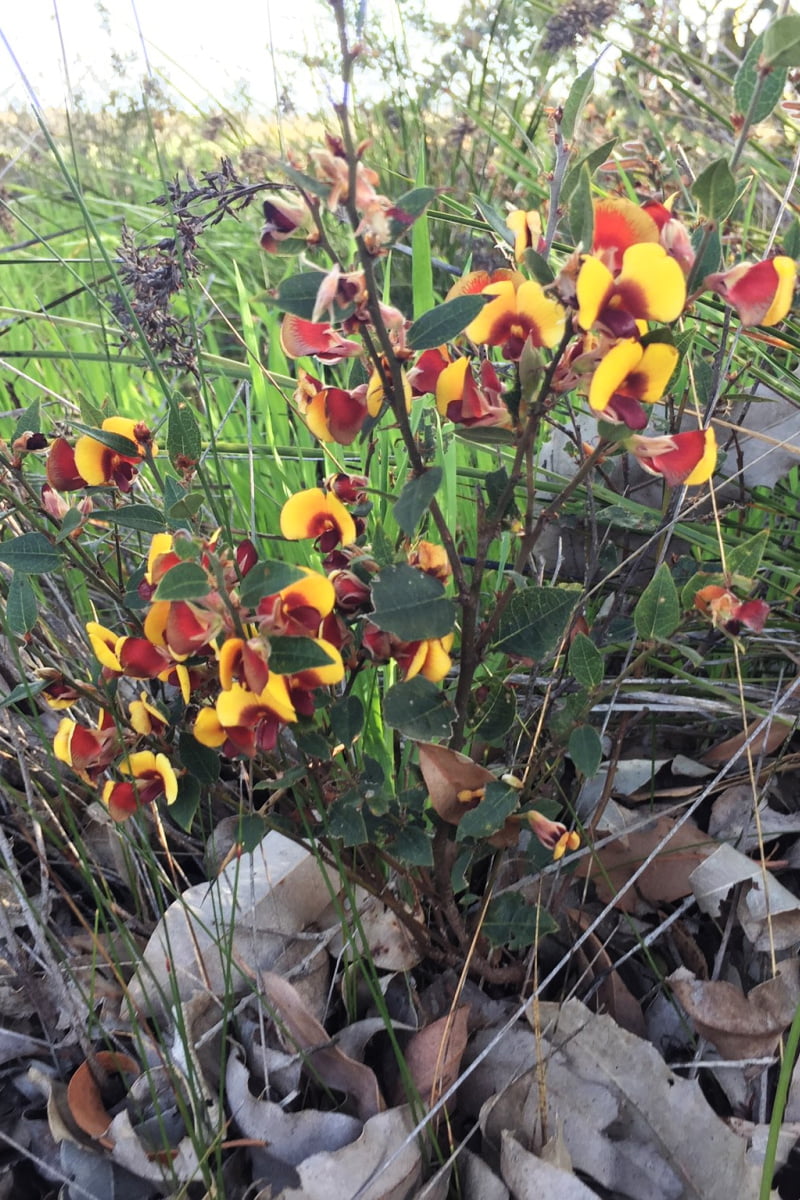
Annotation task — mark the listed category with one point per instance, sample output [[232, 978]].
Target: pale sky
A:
[[205, 48]]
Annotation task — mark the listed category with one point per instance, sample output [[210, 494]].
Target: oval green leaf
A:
[[418, 710], [415, 499], [411, 604], [30, 553], [185, 581], [658, 611], [446, 321]]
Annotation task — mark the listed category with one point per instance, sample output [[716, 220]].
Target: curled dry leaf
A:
[[739, 1026], [774, 735], [768, 912], [290, 1137], [85, 1094], [388, 941], [447, 775], [322, 1060], [532, 1178], [433, 1056], [679, 849]]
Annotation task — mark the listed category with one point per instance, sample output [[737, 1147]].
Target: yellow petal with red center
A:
[[242, 707], [161, 544], [316, 417], [276, 698], [658, 363], [120, 799], [612, 371], [229, 659], [62, 740], [312, 591], [652, 283], [166, 771], [141, 762], [104, 642], [475, 281], [705, 468], [144, 716], [450, 384], [545, 314], [527, 229], [328, 673], [593, 288], [94, 461], [207, 729], [786, 274], [311, 513], [155, 623], [495, 313]]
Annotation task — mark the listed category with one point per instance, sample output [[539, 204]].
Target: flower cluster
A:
[[605, 318]]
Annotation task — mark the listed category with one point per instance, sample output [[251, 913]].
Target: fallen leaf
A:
[[613, 996], [388, 942], [290, 1137], [732, 819], [433, 1055], [242, 921], [774, 735], [739, 1026], [768, 912], [384, 1163], [532, 1178], [85, 1095], [679, 849], [322, 1060]]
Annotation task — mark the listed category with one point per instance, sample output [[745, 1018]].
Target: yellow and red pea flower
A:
[[332, 414], [727, 612], [649, 287], [87, 751], [423, 376], [429, 658], [317, 514], [60, 469], [282, 220], [760, 292], [299, 608], [376, 392], [145, 717], [519, 311], [153, 777], [461, 400], [619, 224], [553, 835], [300, 338], [629, 375], [243, 722], [98, 464], [244, 661], [679, 458], [184, 627], [432, 559], [672, 234]]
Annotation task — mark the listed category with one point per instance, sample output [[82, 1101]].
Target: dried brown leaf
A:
[[324, 1061], [739, 1026], [768, 742], [665, 879], [433, 1056], [612, 993], [84, 1094]]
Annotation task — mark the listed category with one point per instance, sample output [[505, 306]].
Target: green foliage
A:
[[658, 611], [411, 604]]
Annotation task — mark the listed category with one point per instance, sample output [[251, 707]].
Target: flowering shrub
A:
[[353, 641]]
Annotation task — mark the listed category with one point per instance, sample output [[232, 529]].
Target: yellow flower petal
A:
[[786, 270], [593, 287], [311, 513], [207, 728], [705, 468]]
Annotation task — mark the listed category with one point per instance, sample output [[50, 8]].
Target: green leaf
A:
[[586, 750], [782, 42], [749, 77], [581, 211], [510, 921], [535, 621], [23, 692], [745, 559], [446, 321], [407, 208], [415, 499], [538, 266], [413, 846], [494, 220], [499, 802], [114, 441], [184, 808], [346, 821], [698, 581], [185, 581], [297, 294], [591, 161], [22, 611], [30, 553], [133, 516], [347, 719], [421, 258], [411, 604], [715, 190], [658, 611], [585, 661], [496, 715], [200, 761], [307, 182], [73, 519], [29, 421], [265, 579], [575, 102], [488, 436], [791, 241], [291, 655], [709, 261], [418, 709], [184, 446]]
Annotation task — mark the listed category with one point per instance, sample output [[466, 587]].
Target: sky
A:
[[205, 49]]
